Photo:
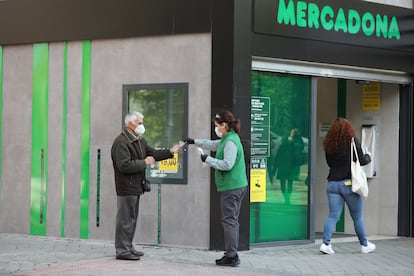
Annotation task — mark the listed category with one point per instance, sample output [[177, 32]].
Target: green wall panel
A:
[[38, 194], [85, 143]]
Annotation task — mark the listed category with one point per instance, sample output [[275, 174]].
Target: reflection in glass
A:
[[284, 215]]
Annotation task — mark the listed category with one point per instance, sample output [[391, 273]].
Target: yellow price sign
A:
[[257, 185], [169, 165]]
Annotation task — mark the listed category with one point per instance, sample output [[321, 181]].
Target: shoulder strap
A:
[[354, 150]]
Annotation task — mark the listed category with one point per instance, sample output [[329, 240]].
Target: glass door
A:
[[280, 130]]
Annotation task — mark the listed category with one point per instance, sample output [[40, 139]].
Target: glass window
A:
[[164, 107], [279, 157]]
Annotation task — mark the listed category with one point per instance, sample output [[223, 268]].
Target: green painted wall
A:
[[85, 143], [38, 195], [39, 168]]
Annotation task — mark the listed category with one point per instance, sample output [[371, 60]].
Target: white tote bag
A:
[[359, 179]]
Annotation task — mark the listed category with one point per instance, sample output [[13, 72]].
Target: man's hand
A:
[[176, 148], [149, 160]]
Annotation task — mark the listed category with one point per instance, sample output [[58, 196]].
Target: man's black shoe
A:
[[130, 257], [228, 261], [137, 253], [221, 259]]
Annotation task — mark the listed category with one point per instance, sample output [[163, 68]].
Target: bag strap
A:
[[354, 148]]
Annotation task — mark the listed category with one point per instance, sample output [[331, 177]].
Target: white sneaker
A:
[[326, 249], [369, 248]]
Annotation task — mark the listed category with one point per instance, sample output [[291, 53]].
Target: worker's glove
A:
[[189, 140], [203, 157]]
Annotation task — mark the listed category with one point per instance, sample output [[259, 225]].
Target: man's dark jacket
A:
[[128, 153]]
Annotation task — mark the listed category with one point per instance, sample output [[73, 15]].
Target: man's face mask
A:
[[140, 130]]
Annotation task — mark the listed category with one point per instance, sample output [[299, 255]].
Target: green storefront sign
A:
[[350, 22], [311, 15]]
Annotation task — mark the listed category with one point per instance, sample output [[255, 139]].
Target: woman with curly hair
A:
[[337, 146]]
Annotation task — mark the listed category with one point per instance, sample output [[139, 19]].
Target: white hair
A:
[[132, 116]]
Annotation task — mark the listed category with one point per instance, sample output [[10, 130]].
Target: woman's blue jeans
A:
[[339, 193]]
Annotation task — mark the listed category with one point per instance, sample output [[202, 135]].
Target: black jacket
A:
[[128, 153], [340, 162]]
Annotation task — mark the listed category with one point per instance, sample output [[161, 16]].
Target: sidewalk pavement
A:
[[34, 255]]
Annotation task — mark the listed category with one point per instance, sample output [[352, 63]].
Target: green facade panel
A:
[[85, 143], [38, 195]]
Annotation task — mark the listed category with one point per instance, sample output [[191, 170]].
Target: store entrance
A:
[[290, 116], [370, 106]]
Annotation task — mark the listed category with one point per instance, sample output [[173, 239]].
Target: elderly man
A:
[[130, 157]]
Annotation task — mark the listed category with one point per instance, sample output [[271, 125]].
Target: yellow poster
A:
[[371, 97], [257, 185], [169, 165]]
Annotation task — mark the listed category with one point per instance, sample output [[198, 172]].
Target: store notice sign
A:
[[169, 165], [371, 96], [260, 126], [258, 180]]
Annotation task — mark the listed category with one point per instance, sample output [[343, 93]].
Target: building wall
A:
[[16, 139], [158, 59]]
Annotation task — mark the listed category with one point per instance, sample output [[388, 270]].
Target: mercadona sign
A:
[[348, 22], [311, 15]]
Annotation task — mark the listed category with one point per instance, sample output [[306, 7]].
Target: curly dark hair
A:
[[228, 118], [339, 134]]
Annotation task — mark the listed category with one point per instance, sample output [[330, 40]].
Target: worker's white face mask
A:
[[218, 132], [140, 130]]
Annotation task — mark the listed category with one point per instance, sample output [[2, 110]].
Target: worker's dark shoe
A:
[[228, 261]]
